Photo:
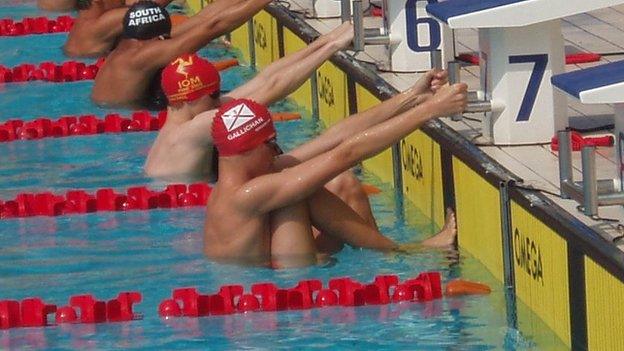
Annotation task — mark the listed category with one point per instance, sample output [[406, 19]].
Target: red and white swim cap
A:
[[241, 125], [188, 78]]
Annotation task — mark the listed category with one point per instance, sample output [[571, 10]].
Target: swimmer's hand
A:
[[430, 83], [225, 42]]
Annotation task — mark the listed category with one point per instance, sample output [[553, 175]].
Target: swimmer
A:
[[57, 5], [184, 149], [191, 84], [130, 75], [265, 203], [97, 27]]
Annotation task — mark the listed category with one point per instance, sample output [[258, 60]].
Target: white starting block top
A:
[[602, 84], [510, 13]]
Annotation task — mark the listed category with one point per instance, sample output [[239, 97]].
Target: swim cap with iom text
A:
[[241, 125], [188, 78], [146, 20]]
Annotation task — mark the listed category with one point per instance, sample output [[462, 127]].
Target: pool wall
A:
[[561, 269]]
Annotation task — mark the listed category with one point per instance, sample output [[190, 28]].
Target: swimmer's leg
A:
[[292, 244], [447, 236], [336, 220], [349, 189]]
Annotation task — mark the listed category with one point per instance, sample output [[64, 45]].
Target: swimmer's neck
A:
[[233, 173]]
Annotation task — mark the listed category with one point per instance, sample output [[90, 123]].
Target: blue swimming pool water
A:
[[156, 251], [54, 100], [18, 9]]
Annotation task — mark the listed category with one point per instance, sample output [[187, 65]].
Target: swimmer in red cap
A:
[[265, 203], [98, 26], [192, 86], [184, 150], [57, 5], [130, 75]]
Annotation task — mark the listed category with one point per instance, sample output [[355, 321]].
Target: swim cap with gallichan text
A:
[[241, 125]]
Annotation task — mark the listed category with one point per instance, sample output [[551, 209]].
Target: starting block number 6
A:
[[528, 101], [412, 22]]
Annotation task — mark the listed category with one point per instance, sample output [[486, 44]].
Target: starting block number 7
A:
[[540, 62]]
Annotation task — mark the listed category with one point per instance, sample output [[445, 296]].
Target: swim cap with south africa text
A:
[[146, 20]]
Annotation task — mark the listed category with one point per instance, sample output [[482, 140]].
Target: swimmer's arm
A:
[[354, 124], [232, 14], [417, 94], [272, 191], [109, 26], [220, 10], [331, 216], [285, 75]]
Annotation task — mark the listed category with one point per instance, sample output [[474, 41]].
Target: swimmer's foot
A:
[[446, 237]]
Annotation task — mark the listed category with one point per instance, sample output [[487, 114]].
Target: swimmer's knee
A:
[[345, 185]]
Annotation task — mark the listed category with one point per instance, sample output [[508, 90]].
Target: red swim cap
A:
[[241, 125], [188, 78]]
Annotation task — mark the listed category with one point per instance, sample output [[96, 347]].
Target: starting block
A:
[[597, 85], [409, 34], [521, 48]]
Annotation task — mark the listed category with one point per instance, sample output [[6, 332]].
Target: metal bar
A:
[[373, 32], [606, 186], [358, 26], [345, 10], [453, 78], [377, 40], [508, 254], [565, 162], [478, 106], [611, 199], [436, 59], [590, 183]]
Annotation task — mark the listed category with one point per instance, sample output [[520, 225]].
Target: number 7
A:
[[540, 60]]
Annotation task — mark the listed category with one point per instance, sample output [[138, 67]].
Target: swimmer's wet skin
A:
[[184, 147], [99, 25], [145, 48], [57, 5], [271, 201]]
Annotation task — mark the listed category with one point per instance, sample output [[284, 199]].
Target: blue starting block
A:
[[597, 85], [521, 48]]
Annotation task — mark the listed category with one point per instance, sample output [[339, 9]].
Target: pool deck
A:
[[600, 31]]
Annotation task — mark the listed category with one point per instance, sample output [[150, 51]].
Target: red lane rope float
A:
[[69, 71], [576, 58], [139, 121], [80, 202], [33, 311], [35, 25], [306, 294]]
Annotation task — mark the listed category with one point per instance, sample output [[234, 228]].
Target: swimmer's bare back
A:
[[56, 5], [123, 81], [96, 29]]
